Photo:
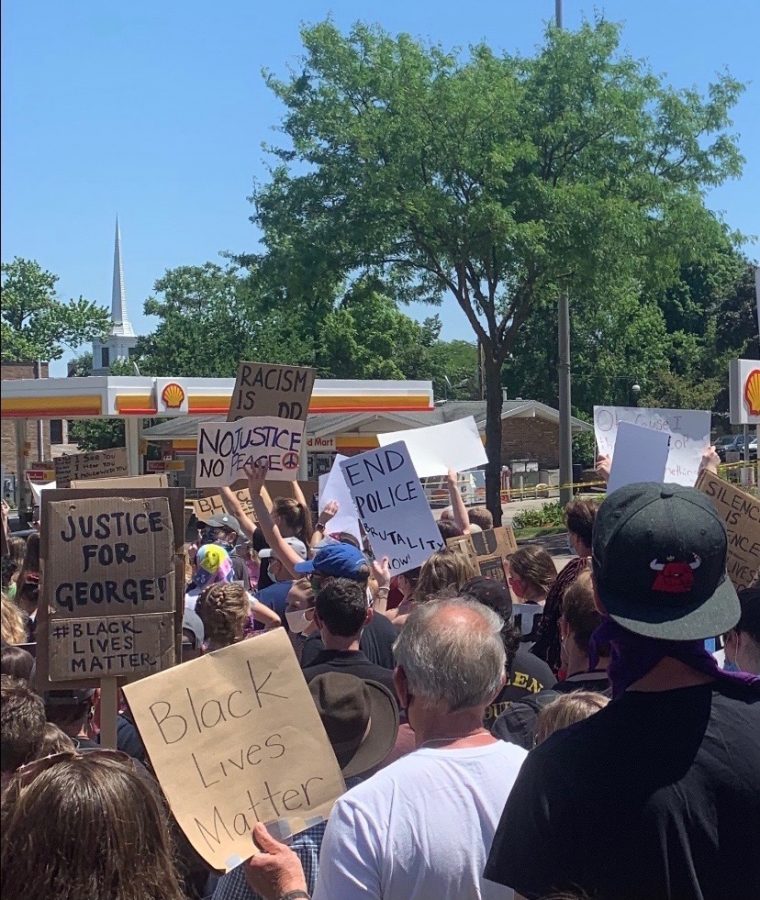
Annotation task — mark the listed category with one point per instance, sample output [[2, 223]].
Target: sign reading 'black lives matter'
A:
[[109, 587]]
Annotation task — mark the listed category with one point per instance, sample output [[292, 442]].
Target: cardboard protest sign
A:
[[213, 505], [740, 513], [488, 550], [234, 739], [333, 487], [524, 614], [265, 389], [113, 584], [391, 506], [98, 464], [436, 449], [225, 448], [129, 481], [689, 431], [108, 581], [640, 454]]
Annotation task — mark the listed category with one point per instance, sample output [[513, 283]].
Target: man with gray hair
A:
[[420, 827]]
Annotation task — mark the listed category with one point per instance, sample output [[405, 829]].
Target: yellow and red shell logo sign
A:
[[173, 395], [752, 392]]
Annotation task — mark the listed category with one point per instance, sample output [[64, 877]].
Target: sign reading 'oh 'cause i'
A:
[[108, 583]]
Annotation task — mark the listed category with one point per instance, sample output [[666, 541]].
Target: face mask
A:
[[298, 619]]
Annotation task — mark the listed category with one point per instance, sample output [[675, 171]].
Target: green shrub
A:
[[551, 514]]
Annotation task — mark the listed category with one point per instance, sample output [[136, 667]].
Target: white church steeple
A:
[[121, 338], [119, 315]]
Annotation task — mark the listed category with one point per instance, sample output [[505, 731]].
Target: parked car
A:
[[735, 445]]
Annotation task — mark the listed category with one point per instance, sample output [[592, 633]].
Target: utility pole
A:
[[565, 393]]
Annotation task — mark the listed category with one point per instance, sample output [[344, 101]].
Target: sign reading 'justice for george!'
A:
[[108, 583]]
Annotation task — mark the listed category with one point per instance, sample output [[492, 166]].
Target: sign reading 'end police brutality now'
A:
[[392, 507], [226, 448]]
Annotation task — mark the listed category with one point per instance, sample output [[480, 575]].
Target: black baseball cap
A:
[[659, 558], [226, 521]]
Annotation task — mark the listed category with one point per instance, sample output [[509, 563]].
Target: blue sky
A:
[[157, 110]]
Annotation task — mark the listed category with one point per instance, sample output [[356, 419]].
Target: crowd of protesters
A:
[[556, 734]]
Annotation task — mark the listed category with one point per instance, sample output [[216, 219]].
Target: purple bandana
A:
[[633, 655]]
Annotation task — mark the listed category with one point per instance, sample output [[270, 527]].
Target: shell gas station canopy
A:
[[136, 398]]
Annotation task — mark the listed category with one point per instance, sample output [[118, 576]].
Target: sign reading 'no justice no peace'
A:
[[108, 587]]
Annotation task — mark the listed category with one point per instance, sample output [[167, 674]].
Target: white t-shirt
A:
[[421, 828]]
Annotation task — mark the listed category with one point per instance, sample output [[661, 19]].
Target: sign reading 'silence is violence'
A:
[[109, 586]]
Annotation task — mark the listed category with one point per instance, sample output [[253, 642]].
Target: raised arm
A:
[[235, 508], [710, 461], [459, 510], [256, 475], [330, 510]]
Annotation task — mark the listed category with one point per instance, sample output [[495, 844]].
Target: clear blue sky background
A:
[[157, 110]]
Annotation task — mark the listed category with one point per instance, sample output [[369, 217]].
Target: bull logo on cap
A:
[[674, 577]]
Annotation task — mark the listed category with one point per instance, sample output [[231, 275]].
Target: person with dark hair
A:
[[579, 620], [580, 516], [341, 613], [526, 674], [28, 581], [448, 529], [742, 642], [16, 662], [22, 725], [480, 516], [671, 767], [72, 711], [85, 826]]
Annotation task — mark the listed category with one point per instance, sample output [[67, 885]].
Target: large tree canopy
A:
[[35, 323], [495, 180]]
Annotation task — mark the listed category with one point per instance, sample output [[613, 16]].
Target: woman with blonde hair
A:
[[85, 826], [444, 570], [12, 622], [225, 609], [566, 711], [441, 570]]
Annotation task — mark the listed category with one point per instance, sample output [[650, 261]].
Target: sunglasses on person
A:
[[26, 774]]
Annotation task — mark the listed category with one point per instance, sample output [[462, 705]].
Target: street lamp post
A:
[[565, 386]]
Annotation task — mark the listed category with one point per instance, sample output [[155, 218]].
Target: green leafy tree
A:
[[35, 323], [367, 336], [493, 180], [210, 319]]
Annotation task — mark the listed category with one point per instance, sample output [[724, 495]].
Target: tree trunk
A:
[[492, 372]]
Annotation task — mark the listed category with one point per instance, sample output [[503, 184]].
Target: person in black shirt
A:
[[656, 796], [526, 674], [341, 613]]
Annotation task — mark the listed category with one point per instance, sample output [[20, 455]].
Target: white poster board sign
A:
[[641, 454], [436, 449], [392, 507], [226, 448], [332, 486], [689, 431]]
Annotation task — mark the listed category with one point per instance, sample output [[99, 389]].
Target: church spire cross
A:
[[119, 316]]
